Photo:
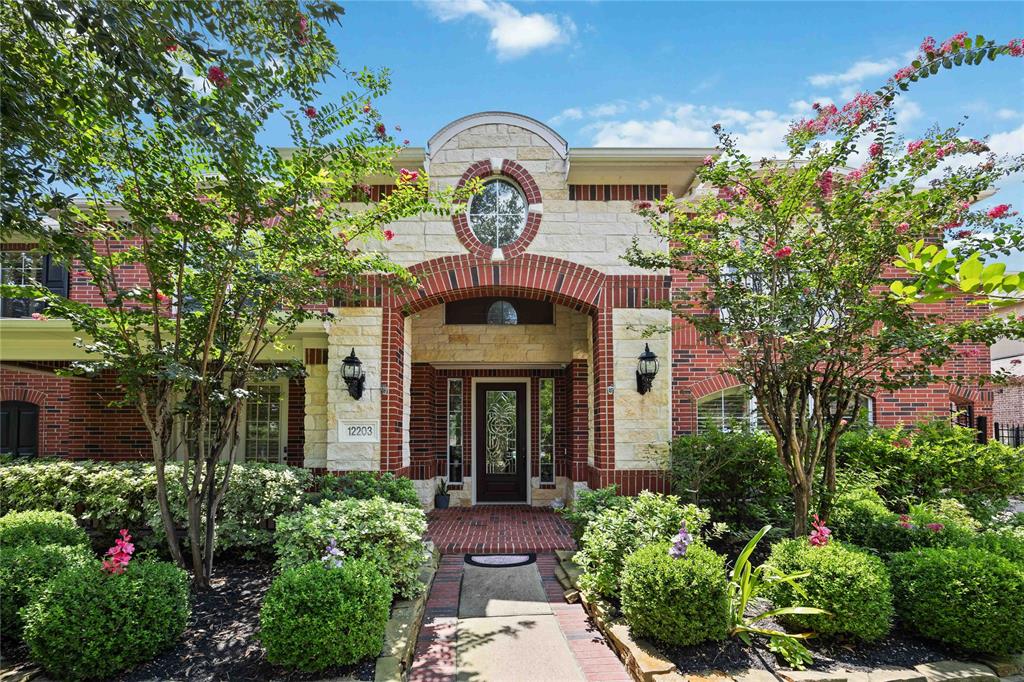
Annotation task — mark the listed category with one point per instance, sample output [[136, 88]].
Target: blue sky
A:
[[661, 74]]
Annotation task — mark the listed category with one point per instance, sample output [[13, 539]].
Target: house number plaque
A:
[[359, 431]]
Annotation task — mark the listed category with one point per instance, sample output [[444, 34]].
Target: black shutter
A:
[[55, 276], [19, 428]]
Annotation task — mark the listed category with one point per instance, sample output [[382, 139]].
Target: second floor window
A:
[[27, 268]]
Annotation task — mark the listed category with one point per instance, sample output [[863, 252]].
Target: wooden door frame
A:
[[474, 381]]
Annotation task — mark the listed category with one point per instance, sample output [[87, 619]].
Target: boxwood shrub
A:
[[389, 533], [588, 505], [1005, 542], [41, 528], [846, 581], [618, 531], [676, 601], [89, 624], [314, 617], [966, 597], [860, 517], [26, 570]]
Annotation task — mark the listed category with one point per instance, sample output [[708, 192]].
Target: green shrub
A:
[[617, 532], [860, 517], [40, 528], [676, 601], [962, 596], [849, 583], [90, 624], [389, 533], [24, 571], [314, 617], [258, 493], [1005, 542], [735, 474], [938, 460], [108, 496], [364, 485], [587, 505]]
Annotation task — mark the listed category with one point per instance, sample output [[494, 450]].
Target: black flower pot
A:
[[441, 501]]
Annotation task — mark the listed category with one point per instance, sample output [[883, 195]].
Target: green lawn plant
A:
[[747, 584]]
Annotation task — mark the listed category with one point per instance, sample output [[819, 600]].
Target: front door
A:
[[501, 442]]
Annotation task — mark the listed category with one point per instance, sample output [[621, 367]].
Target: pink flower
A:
[[825, 184], [171, 47], [39, 317], [408, 175], [905, 72], [367, 108], [642, 206], [963, 234], [784, 252], [1015, 361], [875, 149], [381, 130], [945, 149], [721, 217], [311, 112], [821, 534], [174, 217], [709, 161], [965, 206], [903, 442], [934, 527], [902, 228], [161, 297], [735, 244], [914, 146], [905, 522], [388, 235], [405, 142], [1016, 47], [216, 76], [398, 128], [120, 554], [1000, 211], [928, 45], [953, 223]]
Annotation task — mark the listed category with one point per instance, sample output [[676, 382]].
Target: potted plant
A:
[[441, 497]]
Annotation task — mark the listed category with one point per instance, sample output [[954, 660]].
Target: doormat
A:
[[500, 560]]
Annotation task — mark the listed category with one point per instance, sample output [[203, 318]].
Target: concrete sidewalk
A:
[[508, 624]]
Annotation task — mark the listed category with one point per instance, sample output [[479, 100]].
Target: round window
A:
[[502, 312], [498, 214]]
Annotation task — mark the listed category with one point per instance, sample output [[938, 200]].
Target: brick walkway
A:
[[498, 529], [434, 659]]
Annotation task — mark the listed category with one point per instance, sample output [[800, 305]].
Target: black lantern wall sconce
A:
[[646, 370], [353, 374]]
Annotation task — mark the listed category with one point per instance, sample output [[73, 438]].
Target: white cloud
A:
[[570, 114], [907, 111], [759, 133], [513, 34], [857, 72], [1005, 114]]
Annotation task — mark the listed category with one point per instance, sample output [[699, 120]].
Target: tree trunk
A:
[[801, 507], [200, 581], [829, 494], [165, 511]]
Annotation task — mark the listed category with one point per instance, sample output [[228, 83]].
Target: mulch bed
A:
[[220, 640], [898, 649]]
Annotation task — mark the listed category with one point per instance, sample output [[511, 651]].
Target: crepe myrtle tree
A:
[[792, 262], [208, 249]]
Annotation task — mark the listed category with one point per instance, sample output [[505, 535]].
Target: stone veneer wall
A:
[[643, 423], [435, 341], [359, 328], [315, 448], [593, 233]]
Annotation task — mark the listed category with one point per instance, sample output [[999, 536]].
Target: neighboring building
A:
[[510, 371], [1008, 400]]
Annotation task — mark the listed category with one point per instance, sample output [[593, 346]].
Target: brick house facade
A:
[[510, 370]]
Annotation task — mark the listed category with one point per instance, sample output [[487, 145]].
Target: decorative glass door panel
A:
[[500, 414], [500, 440]]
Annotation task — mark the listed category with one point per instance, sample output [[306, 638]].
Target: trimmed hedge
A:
[[962, 596], [849, 583], [314, 617], [676, 601], [25, 571], [88, 624], [388, 533], [40, 528], [365, 485], [1005, 542], [588, 505], [109, 496], [618, 531]]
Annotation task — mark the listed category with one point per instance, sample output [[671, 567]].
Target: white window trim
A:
[[752, 412]]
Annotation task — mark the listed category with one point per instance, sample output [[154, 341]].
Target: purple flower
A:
[[680, 543], [333, 556]]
